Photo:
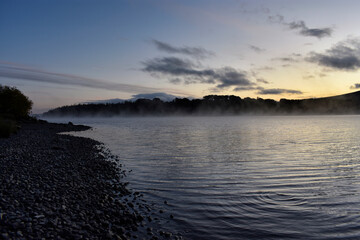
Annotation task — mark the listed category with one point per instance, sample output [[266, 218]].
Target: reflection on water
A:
[[244, 177]]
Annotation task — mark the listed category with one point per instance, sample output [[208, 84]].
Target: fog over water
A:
[[280, 177]]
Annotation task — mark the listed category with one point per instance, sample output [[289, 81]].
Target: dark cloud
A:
[[339, 62], [15, 71], [231, 77], [278, 91], [311, 32], [265, 68], [248, 88], [257, 49], [270, 91], [197, 52], [189, 72], [175, 80], [344, 55], [176, 67], [289, 60], [260, 80], [355, 86], [301, 27], [286, 59], [276, 19]]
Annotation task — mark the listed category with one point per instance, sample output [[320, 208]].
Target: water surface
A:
[[244, 177]]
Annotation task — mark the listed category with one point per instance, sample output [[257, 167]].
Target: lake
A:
[[260, 177]]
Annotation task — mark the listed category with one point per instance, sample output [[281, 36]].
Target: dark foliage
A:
[[216, 105], [13, 104], [7, 127]]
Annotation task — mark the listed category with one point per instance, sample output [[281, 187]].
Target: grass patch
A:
[[7, 127]]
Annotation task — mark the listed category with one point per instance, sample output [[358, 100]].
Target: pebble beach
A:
[[57, 186]]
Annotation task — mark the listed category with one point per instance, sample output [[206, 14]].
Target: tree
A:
[[13, 103]]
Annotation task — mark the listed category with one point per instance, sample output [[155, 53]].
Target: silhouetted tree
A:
[[14, 104]]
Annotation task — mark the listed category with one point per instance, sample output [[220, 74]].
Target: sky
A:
[[63, 52]]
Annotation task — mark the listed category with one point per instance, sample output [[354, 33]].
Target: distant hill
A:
[[162, 96], [215, 105], [342, 104]]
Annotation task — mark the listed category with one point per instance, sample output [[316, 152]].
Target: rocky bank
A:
[[56, 186]]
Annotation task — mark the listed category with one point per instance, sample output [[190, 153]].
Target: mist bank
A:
[[215, 105]]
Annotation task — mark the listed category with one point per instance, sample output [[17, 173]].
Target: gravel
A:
[[56, 186]]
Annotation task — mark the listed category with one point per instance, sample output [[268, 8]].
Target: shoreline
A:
[[57, 186]]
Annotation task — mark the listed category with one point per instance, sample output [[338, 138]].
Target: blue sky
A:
[[66, 52]]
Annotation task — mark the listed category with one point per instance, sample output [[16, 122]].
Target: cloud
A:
[[344, 55], [264, 68], [257, 49], [239, 89], [231, 77], [286, 59], [260, 80], [311, 32], [188, 72], [16, 71], [175, 80], [197, 52], [278, 91], [179, 68], [270, 91], [308, 76], [276, 18], [291, 58], [355, 86], [301, 27]]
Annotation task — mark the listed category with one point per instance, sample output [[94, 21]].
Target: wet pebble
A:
[[60, 186]]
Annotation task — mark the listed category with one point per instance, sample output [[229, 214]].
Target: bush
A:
[[7, 127], [14, 104]]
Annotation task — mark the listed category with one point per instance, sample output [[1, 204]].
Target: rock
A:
[[19, 233], [60, 186], [5, 236]]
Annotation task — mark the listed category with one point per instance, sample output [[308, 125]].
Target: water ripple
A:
[[245, 177]]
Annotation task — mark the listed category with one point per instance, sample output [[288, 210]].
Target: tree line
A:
[[215, 105]]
